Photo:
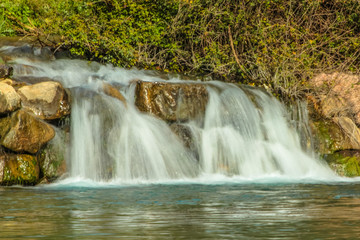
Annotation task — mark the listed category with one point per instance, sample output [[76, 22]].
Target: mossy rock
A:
[[329, 138], [18, 169], [345, 163], [52, 158]]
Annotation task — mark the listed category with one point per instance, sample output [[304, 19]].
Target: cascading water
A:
[[244, 132]]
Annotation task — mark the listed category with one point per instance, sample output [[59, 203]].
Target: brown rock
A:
[[340, 94], [14, 84], [350, 129], [23, 132], [171, 101], [9, 99], [18, 169], [113, 92], [47, 100]]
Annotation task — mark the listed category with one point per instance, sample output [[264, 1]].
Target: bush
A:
[[277, 43]]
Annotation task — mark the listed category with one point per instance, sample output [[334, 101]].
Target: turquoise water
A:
[[182, 211]]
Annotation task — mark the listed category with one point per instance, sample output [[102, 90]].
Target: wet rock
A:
[[184, 133], [9, 99], [19, 169], [52, 158], [47, 100], [186, 136], [5, 71], [329, 137], [345, 163], [113, 92], [22, 132], [171, 101]]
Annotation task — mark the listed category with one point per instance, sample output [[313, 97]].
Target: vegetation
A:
[[276, 43]]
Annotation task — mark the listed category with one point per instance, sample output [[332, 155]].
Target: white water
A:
[[240, 138]]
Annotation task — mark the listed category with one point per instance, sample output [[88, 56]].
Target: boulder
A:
[[9, 99], [329, 137], [338, 95], [345, 163], [47, 100], [171, 101], [350, 130], [5, 71], [22, 132], [113, 92], [52, 157], [186, 136], [19, 169]]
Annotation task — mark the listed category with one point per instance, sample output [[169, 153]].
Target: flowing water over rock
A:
[[233, 169], [234, 131]]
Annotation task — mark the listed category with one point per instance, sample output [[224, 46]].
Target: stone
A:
[[345, 163], [20, 169], [340, 94], [186, 136], [350, 129], [5, 71], [47, 100], [329, 137], [9, 99], [113, 92], [171, 101], [52, 157], [14, 84], [22, 132]]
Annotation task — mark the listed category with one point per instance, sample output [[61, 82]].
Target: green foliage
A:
[[351, 166], [277, 43]]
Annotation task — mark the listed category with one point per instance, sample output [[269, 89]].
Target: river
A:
[[222, 210]]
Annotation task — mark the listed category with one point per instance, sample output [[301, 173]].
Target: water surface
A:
[[182, 211]]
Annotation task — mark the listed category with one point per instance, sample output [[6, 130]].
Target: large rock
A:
[[330, 138], [52, 158], [338, 94], [47, 100], [345, 163], [18, 169], [171, 101], [186, 136], [9, 99], [113, 92], [22, 132]]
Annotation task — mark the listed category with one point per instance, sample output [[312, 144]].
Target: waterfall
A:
[[244, 131]]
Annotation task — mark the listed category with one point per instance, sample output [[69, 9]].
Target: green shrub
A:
[[277, 43]]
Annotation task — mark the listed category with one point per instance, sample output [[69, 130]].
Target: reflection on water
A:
[[182, 211]]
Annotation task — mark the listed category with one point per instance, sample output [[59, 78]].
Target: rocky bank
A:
[[29, 113], [34, 139]]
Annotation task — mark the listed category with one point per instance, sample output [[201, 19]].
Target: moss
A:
[[345, 163], [351, 166], [20, 169], [329, 137]]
